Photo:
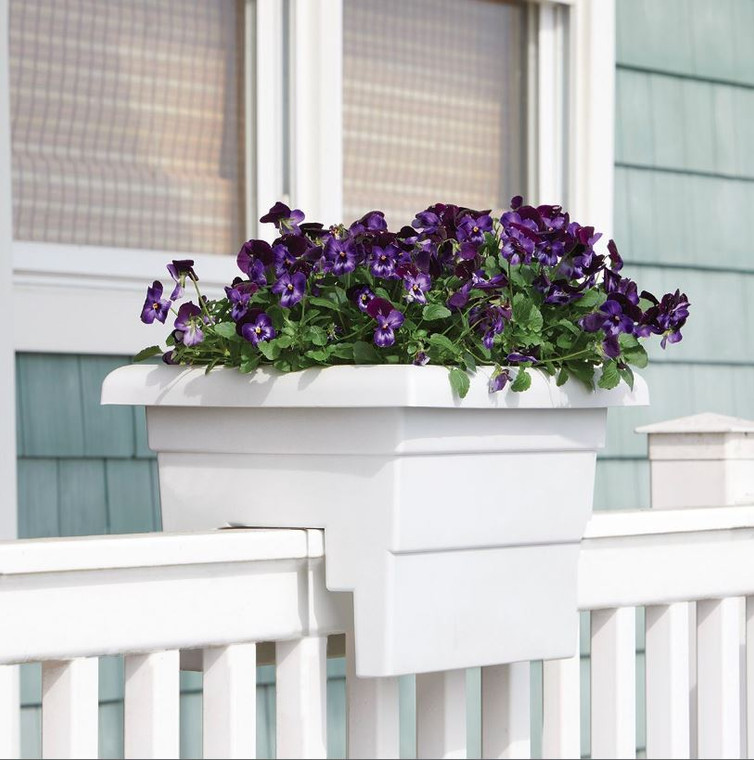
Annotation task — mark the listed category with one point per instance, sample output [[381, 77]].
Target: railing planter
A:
[[455, 523]]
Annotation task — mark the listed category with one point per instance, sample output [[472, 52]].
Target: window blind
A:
[[126, 121], [433, 104]]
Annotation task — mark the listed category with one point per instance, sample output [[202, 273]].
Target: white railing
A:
[[214, 601]]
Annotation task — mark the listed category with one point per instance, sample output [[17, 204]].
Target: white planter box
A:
[[455, 523]]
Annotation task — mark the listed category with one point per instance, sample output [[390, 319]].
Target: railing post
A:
[[706, 460]]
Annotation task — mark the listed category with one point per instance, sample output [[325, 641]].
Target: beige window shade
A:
[[127, 123], [433, 104]]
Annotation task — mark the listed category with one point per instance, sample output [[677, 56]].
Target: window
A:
[[434, 108], [127, 126]]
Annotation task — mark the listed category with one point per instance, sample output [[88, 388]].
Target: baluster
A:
[[441, 714], [373, 712], [230, 701], [718, 677], [301, 697], [561, 708], [506, 710], [10, 717], [750, 677], [668, 686], [614, 683], [70, 691], [152, 706]]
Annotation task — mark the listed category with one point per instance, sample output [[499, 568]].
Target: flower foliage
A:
[[457, 288]]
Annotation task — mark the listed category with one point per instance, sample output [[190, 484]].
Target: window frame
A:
[[86, 299]]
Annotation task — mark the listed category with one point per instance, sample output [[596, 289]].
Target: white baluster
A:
[[506, 710], [667, 668], [10, 717], [230, 701], [614, 683], [373, 712], [70, 691], [301, 697], [718, 677], [750, 677], [441, 714], [561, 708], [152, 706]]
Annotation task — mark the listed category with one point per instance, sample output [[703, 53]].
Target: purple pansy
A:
[[417, 284], [373, 221], [238, 297], [188, 325], [388, 319], [489, 321], [291, 288], [361, 295], [284, 219], [339, 256], [253, 258], [155, 306], [518, 358], [180, 269], [383, 260], [499, 380], [257, 328]]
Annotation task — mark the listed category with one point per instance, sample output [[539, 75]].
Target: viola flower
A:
[[383, 261], [155, 306], [388, 320], [417, 286], [499, 380], [253, 258], [471, 229], [615, 316], [288, 251], [291, 288], [188, 324], [169, 357], [489, 321], [179, 270], [340, 256], [361, 295], [420, 359], [238, 297], [666, 318], [259, 328], [517, 358], [373, 221], [284, 219]]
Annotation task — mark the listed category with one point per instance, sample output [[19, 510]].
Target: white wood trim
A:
[[317, 108], [10, 718], [441, 714], [8, 519], [506, 710], [561, 708]]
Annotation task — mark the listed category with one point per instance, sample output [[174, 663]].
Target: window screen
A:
[[126, 123], [433, 104]]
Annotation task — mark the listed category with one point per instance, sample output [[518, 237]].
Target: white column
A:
[[301, 698], [668, 683], [229, 706], [561, 708], [718, 628], [506, 710], [373, 712], [749, 674], [441, 714], [614, 683], [152, 705], [9, 712], [70, 709]]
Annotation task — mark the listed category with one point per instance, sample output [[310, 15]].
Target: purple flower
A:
[[340, 256], [420, 359], [252, 259], [417, 286], [188, 324], [155, 306], [615, 316], [257, 328], [238, 296], [169, 357], [284, 219], [361, 295], [615, 258], [383, 260], [373, 221], [489, 321], [179, 270], [499, 380], [666, 318], [388, 320], [289, 251], [472, 228], [516, 358], [291, 288]]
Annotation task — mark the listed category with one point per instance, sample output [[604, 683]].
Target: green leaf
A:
[[534, 321], [610, 376], [343, 351], [225, 329], [434, 311], [583, 371], [316, 335], [319, 355], [365, 353], [628, 376], [324, 303], [636, 356], [444, 343], [469, 361], [148, 353], [562, 378], [270, 349], [459, 381], [522, 381], [591, 299]]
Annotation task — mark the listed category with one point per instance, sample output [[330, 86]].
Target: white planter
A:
[[455, 523]]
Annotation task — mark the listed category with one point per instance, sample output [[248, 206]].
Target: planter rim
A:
[[349, 386]]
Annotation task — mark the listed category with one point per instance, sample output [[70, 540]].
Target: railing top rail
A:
[[157, 550]]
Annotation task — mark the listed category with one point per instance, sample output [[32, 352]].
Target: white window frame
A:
[[86, 299]]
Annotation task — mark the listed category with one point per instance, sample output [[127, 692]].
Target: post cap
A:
[[706, 422]]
